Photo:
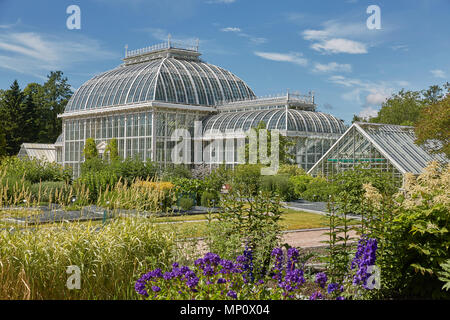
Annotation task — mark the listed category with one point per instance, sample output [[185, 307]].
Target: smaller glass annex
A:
[[389, 148]]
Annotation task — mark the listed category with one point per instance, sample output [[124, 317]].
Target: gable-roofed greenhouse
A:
[[389, 148]]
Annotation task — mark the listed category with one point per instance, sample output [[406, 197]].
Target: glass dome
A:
[[297, 120], [166, 79]]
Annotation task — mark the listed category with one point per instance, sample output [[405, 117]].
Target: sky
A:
[[330, 47]]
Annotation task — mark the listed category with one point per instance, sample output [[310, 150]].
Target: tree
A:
[[403, 108], [433, 128], [285, 145], [10, 109], [56, 93], [2, 142], [90, 149], [112, 149]]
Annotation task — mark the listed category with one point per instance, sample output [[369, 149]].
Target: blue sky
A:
[[323, 46]]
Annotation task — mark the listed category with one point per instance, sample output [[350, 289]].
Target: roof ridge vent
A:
[[184, 50]]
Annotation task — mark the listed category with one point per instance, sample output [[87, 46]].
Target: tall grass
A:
[[33, 262], [140, 195]]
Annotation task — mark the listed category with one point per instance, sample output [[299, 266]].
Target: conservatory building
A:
[[159, 89]]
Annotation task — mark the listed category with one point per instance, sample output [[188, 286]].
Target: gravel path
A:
[[308, 238]]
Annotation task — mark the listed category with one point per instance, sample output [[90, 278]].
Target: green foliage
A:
[[291, 170], [186, 203], [13, 189], [112, 150], [175, 171], [300, 183], [444, 275], [35, 170], [349, 186], [318, 189], [255, 221], [279, 184], [434, 125], [339, 243], [31, 115], [34, 262], [96, 182], [246, 178], [209, 199], [285, 155], [133, 168], [90, 149], [189, 187], [97, 174], [405, 107], [413, 234], [47, 190]]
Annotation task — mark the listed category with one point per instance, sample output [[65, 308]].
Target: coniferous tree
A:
[[10, 109]]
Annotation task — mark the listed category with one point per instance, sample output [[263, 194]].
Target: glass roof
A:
[[167, 79], [297, 120], [371, 142]]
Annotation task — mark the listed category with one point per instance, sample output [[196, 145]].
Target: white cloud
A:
[[238, 31], [402, 47], [34, 53], [332, 67], [292, 57], [438, 73], [367, 113], [377, 97], [366, 93], [333, 37], [230, 29], [340, 46]]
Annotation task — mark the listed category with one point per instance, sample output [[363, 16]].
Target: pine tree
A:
[[10, 109]]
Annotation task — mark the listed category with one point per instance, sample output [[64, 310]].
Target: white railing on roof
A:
[[290, 97], [162, 46]]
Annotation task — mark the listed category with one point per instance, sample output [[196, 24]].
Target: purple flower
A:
[[156, 289], [365, 256], [232, 294], [221, 280], [292, 256], [321, 279], [340, 298], [278, 264], [332, 287], [316, 295]]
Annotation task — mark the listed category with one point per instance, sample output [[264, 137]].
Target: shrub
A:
[[209, 199], [349, 186], [291, 170], [14, 190], [413, 233], [279, 184], [134, 168], [246, 178], [96, 182], [47, 190], [300, 184], [35, 170], [140, 196], [255, 221], [189, 187], [186, 203], [318, 189], [175, 171]]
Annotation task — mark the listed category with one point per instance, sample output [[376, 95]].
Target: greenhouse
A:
[[159, 89], [388, 148]]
